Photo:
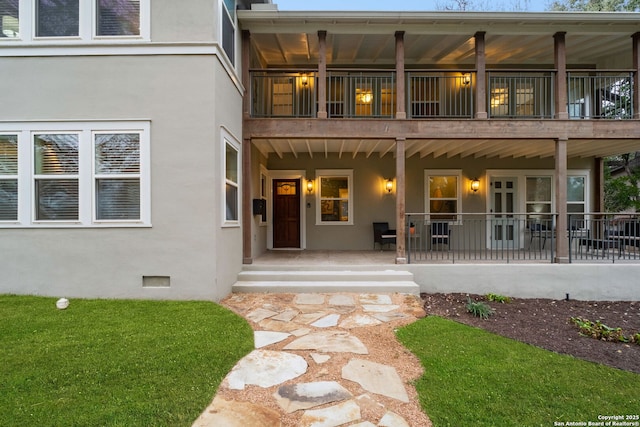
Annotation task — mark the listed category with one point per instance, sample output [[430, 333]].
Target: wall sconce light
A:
[[366, 97], [304, 80], [309, 186], [466, 78], [475, 185], [388, 185]]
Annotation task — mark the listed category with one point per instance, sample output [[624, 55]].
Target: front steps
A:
[[288, 279]]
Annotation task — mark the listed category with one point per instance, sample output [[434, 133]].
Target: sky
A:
[[403, 5]]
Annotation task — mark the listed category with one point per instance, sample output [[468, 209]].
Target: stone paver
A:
[[312, 328], [329, 342], [376, 378], [266, 368], [331, 416], [294, 397], [265, 338]]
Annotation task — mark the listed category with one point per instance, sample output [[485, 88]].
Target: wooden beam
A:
[[636, 75], [481, 76], [400, 201], [562, 240], [560, 59], [400, 80], [322, 74]]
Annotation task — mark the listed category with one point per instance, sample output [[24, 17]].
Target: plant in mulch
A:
[[498, 298], [600, 331], [479, 309]]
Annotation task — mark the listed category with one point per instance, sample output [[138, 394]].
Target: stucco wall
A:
[[184, 21], [179, 95]]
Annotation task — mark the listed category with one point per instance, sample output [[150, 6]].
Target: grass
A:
[[113, 362], [476, 378]]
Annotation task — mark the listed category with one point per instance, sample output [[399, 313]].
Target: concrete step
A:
[[281, 280], [403, 287], [324, 275]]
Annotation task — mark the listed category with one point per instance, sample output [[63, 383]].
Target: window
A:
[[74, 21], [117, 176], [443, 194], [232, 167], [539, 195], [335, 197], [8, 177], [576, 200], [57, 18], [96, 175], [56, 179], [229, 28], [9, 24], [118, 18]]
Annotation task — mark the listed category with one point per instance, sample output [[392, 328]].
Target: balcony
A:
[[440, 94]]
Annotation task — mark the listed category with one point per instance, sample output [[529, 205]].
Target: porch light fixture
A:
[[466, 78], [309, 186], [304, 80], [475, 185], [388, 186]]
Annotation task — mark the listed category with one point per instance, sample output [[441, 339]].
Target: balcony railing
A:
[[285, 93], [361, 94], [600, 95], [520, 94], [520, 238], [439, 94], [430, 94]]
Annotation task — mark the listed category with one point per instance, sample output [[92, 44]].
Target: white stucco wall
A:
[[179, 95]]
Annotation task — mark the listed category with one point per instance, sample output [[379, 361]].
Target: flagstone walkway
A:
[[321, 360]]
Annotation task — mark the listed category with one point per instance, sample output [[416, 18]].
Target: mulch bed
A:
[[546, 323]]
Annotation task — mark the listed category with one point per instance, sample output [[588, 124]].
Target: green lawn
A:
[[113, 362], [475, 378]]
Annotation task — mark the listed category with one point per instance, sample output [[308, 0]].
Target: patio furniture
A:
[[440, 234], [383, 235]]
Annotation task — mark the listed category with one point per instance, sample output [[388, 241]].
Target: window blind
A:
[[117, 171], [118, 18], [9, 18], [8, 177]]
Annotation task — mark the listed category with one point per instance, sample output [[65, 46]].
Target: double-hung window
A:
[[57, 18], [56, 176], [229, 28], [8, 177], [117, 176], [117, 18], [335, 197], [81, 174], [231, 181], [443, 194]]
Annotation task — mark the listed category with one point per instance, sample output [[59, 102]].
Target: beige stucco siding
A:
[[178, 95]]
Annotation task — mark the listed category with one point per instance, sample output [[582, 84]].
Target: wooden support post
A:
[[401, 112], [481, 77], [322, 74], [636, 75], [401, 256], [599, 184], [562, 239], [560, 57], [247, 216]]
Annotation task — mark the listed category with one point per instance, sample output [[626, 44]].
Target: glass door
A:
[[504, 229]]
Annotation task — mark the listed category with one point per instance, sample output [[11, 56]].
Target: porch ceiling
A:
[[286, 39], [475, 148]]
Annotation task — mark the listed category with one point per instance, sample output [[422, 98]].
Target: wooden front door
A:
[[286, 213]]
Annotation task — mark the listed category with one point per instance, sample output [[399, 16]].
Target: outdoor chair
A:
[[383, 235], [440, 234]]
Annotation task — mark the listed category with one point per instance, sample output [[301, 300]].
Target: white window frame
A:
[[333, 173], [437, 173], [229, 140], [86, 199], [13, 177], [234, 22], [87, 26]]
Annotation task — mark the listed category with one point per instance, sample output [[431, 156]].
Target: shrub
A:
[[479, 309], [498, 298]]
